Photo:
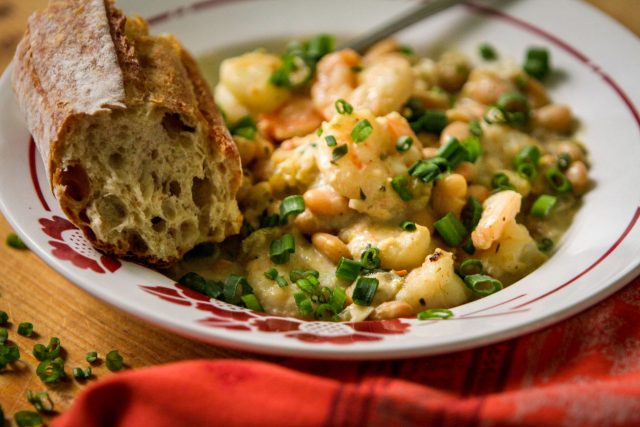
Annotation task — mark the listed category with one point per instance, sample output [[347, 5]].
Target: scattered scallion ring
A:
[[361, 131], [404, 143], [400, 185], [364, 290], [451, 229], [482, 284], [114, 361], [543, 205], [435, 313], [251, 302], [471, 266], [27, 419], [343, 107], [331, 140], [348, 269], [339, 152], [557, 180], [281, 249], [409, 226], [291, 205]]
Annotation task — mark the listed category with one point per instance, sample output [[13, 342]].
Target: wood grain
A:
[[31, 291]]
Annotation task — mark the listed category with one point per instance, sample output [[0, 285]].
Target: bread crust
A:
[[84, 58]]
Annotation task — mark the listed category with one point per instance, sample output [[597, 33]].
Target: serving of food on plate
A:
[[306, 182]]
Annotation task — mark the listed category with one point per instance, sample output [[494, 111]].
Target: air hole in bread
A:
[[173, 124], [136, 242], [112, 210], [168, 209], [158, 224], [154, 154], [116, 161], [201, 191], [188, 231], [175, 189], [76, 182]]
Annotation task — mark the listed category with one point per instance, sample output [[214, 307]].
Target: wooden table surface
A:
[[32, 291]]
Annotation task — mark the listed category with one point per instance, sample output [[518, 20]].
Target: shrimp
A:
[[364, 173], [382, 87], [296, 117], [499, 210]]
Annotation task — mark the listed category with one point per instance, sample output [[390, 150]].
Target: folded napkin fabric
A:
[[584, 371]]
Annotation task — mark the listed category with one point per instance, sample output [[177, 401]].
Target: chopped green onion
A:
[[453, 152], [564, 160], [482, 284], [557, 180], [451, 229], [25, 329], [545, 244], [114, 361], [408, 226], [331, 140], [429, 170], [472, 147], [343, 107], [234, 287], [269, 220], [474, 128], [471, 266], [543, 205], [8, 354], [282, 282], [51, 370], [40, 400], [471, 213], [435, 313], [306, 286], [319, 131], [529, 154], [513, 102], [324, 310], [370, 258], [281, 249], [244, 127], [305, 306], [15, 242], [92, 356], [339, 152], [487, 52], [251, 302], [291, 205], [495, 115], [527, 171], [4, 317], [27, 419], [361, 131], [4, 336], [338, 298], [468, 247], [432, 121], [406, 49], [195, 282], [52, 351], [40, 352], [404, 143], [348, 269], [537, 63], [364, 290], [500, 182], [271, 274], [82, 374], [296, 274], [400, 184]]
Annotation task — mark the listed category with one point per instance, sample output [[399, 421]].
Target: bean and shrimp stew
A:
[[388, 184]]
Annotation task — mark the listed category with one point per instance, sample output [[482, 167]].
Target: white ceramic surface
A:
[[600, 62]]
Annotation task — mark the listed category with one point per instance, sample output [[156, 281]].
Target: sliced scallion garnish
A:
[[114, 361], [409, 226], [557, 180], [400, 184], [482, 284], [348, 269], [251, 302], [364, 291], [281, 249], [361, 131], [471, 266], [451, 229], [331, 140], [291, 205], [339, 152], [343, 107], [435, 313], [543, 205], [404, 143]]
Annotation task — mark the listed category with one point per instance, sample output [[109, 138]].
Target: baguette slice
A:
[[136, 152]]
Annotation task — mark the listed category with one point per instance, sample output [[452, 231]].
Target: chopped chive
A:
[[8, 354], [40, 400], [482, 284], [25, 329], [269, 220], [91, 357], [474, 128], [80, 374], [500, 182], [527, 171], [361, 131], [52, 351], [27, 419], [513, 102], [234, 287], [281, 249], [451, 229], [404, 143], [343, 107], [408, 226], [324, 311], [251, 302], [306, 286], [543, 205], [471, 213], [365, 290], [471, 266], [15, 242], [339, 152], [245, 127], [114, 361], [305, 306], [348, 269], [468, 247], [487, 52], [291, 205], [4, 336], [271, 274], [473, 148], [432, 121], [296, 274], [319, 131], [453, 152], [331, 140], [400, 184], [537, 63], [557, 180], [429, 170], [529, 154], [4, 317], [495, 115], [194, 281], [51, 370], [545, 245], [282, 282], [370, 258], [406, 49], [435, 313], [338, 298]]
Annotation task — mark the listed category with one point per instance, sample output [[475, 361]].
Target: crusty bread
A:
[[136, 152]]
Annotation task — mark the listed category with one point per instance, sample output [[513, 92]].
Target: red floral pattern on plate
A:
[[71, 245], [227, 316]]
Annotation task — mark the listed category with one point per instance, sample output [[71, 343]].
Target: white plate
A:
[[599, 254]]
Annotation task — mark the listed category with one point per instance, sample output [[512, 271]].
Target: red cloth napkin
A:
[[582, 372]]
